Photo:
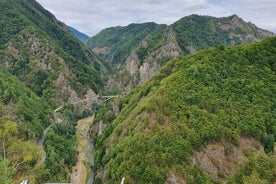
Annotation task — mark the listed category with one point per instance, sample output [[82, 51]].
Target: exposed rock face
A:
[[219, 159], [137, 72], [159, 57], [13, 51], [232, 24], [101, 50], [186, 36], [191, 49], [132, 63], [172, 179], [237, 22], [44, 58]]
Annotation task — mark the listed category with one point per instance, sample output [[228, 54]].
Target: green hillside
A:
[[202, 32], [218, 95], [79, 35], [207, 117], [42, 66], [136, 52], [21, 104], [23, 116], [119, 41], [42, 52]]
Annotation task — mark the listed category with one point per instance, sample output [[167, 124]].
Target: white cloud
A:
[[91, 16]]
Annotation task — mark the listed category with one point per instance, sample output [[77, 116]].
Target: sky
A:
[[91, 16]]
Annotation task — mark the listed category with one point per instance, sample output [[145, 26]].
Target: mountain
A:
[[149, 53], [114, 44], [204, 118], [193, 122], [43, 54], [23, 116], [81, 36], [21, 104], [42, 67]]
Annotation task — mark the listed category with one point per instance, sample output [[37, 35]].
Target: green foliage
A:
[[6, 171], [202, 32], [73, 113], [24, 154], [120, 41], [35, 45], [17, 156], [214, 95], [144, 158], [81, 36], [268, 142], [157, 44], [31, 110], [256, 169], [153, 43], [60, 144], [41, 174]]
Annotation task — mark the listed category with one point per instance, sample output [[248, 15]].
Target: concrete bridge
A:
[[94, 99]]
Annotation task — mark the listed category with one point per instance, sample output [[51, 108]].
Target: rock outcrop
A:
[[137, 71], [133, 64], [221, 159]]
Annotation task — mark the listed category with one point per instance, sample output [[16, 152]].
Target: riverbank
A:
[[81, 172]]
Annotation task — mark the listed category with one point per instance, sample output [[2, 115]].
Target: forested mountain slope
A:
[[79, 35], [23, 116], [42, 53], [195, 121], [43, 66], [150, 52], [20, 104], [114, 44]]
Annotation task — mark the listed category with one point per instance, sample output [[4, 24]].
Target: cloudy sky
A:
[[91, 16]]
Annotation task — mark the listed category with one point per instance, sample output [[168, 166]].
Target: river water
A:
[[85, 149]]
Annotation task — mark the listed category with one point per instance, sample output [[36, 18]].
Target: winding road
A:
[[80, 171], [41, 140]]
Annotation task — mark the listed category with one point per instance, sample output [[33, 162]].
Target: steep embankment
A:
[[196, 121], [53, 68], [44, 54], [22, 105], [114, 44], [23, 116], [188, 35]]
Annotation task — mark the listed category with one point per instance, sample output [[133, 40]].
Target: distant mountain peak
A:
[[79, 35], [137, 51]]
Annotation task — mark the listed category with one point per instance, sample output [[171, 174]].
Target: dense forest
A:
[[38, 49], [220, 98], [120, 41], [218, 95], [42, 66], [23, 117], [134, 53]]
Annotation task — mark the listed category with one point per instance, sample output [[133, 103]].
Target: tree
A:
[[268, 143], [254, 178], [6, 171], [7, 129], [24, 152]]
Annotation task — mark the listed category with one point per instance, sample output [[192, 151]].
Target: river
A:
[[82, 173]]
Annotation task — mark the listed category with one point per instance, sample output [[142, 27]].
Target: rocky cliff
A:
[[186, 36], [42, 53]]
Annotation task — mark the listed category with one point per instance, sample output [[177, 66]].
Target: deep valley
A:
[[190, 102]]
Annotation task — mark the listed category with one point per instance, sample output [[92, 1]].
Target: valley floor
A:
[[81, 171]]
